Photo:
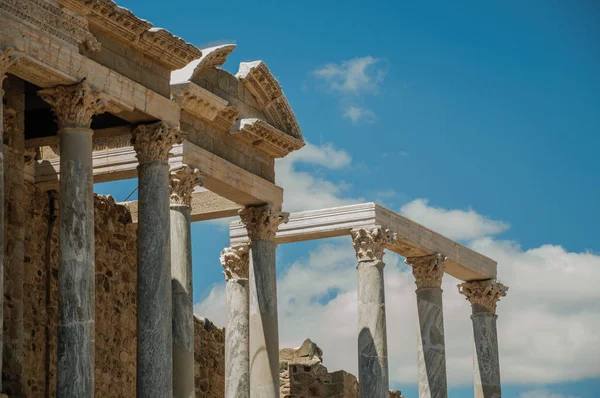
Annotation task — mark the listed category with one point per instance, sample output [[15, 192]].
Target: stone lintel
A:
[[412, 239], [266, 138], [206, 205]]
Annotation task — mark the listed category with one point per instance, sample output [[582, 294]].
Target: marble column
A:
[[74, 107], [483, 296], [7, 59], [262, 223], [428, 272], [183, 180], [235, 262], [152, 143], [373, 375]]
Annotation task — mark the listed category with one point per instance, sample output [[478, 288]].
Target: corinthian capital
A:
[[7, 59], [152, 142], [427, 270], [262, 222], [74, 105], [235, 261], [9, 124], [484, 294], [182, 181], [369, 243]]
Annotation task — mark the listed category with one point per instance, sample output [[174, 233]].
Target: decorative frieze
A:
[[484, 293], [74, 105], [427, 270], [262, 222], [369, 243], [49, 17], [152, 142], [261, 83], [266, 138], [182, 180], [236, 262]]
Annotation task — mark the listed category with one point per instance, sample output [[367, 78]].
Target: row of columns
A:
[[242, 357]]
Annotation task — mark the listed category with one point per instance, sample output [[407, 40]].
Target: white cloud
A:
[[354, 76], [547, 324], [304, 190], [544, 393], [357, 114], [454, 224]]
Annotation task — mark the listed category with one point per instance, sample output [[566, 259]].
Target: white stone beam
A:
[[223, 178], [413, 239]]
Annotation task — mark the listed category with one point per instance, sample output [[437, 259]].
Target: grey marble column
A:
[[483, 296], [183, 179], [428, 272], [152, 143], [373, 375], [235, 262], [7, 59], [262, 223], [74, 107]]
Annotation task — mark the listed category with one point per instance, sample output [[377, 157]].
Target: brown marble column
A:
[[369, 244], [152, 143], [7, 59], [235, 263], [74, 107], [262, 223], [428, 272], [483, 296], [183, 180]]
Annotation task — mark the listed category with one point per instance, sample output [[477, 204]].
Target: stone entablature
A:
[[198, 101]]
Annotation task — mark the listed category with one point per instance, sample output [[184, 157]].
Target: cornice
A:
[[266, 138], [198, 101]]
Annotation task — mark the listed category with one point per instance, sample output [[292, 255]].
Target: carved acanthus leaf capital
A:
[[236, 262], [152, 142], [262, 222], [483, 293], [369, 243], [182, 181], [427, 270], [7, 59], [74, 105]]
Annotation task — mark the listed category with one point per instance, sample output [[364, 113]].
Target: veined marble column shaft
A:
[[7, 59], [74, 107], [428, 272], [483, 296], [183, 180], [152, 143], [235, 262], [262, 223], [373, 375]]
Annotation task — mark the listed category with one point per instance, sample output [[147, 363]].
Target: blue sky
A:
[[480, 121]]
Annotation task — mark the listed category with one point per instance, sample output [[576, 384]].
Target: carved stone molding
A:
[[152, 142], [262, 222], [7, 59], [226, 118], [236, 262], [369, 243], [484, 293], [198, 101], [213, 57], [261, 83], [74, 105], [182, 181], [51, 18], [427, 270], [266, 138]]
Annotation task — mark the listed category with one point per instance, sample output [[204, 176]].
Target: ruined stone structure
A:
[[97, 296]]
